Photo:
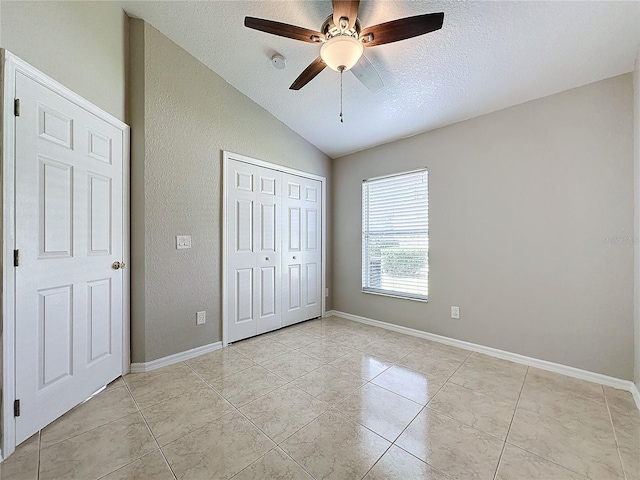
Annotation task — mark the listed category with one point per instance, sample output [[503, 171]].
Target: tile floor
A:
[[334, 399]]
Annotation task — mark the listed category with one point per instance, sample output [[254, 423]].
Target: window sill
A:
[[402, 297]]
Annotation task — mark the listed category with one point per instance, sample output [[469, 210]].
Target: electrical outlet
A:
[[201, 318], [326, 292], [455, 312], [183, 241]]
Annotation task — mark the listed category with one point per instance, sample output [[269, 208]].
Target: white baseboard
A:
[[494, 352], [175, 358], [635, 391]]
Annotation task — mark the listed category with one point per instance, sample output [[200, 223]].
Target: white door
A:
[[69, 233], [253, 250], [302, 254]]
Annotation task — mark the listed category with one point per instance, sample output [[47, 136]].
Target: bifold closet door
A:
[[302, 250], [253, 250]]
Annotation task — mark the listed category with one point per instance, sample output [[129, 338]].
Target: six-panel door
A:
[[69, 232]]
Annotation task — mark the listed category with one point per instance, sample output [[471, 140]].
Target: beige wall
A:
[[521, 204], [82, 45], [190, 116], [636, 176]]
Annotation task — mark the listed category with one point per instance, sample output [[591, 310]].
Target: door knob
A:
[[118, 265]]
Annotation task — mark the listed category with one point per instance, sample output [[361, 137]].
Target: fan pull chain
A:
[[341, 117]]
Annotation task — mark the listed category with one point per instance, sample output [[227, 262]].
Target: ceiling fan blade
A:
[[367, 74], [309, 74], [402, 29], [345, 8], [283, 29]]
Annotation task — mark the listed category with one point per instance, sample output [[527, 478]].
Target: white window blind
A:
[[395, 235]]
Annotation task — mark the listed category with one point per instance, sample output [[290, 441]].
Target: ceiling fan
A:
[[343, 40]]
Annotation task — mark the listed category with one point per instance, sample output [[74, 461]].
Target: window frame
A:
[[363, 244]]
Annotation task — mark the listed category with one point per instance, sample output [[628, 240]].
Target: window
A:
[[395, 235]]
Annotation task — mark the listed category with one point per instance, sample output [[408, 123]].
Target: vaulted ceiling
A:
[[488, 56]]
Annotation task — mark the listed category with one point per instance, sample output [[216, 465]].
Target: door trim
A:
[[226, 157], [10, 65]]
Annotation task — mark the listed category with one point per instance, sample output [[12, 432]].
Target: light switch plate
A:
[[183, 241]]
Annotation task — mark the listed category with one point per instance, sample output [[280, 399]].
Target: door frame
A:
[[226, 157], [10, 65]]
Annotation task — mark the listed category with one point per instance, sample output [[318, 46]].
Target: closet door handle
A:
[[266, 258], [294, 257]]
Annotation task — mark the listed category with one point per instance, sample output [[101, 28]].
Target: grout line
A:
[[501, 439], [293, 459], [135, 402], [615, 436], [416, 416], [504, 444], [252, 423], [438, 412], [329, 407], [446, 475], [208, 383], [255, 461], [39, 453], [391, 444], [86, 431], [447, 381], [150, 431], [126, 386], [157, 372], [287, 454], [132, 462], [564, 467], [396, 393], [580, 475], [175, 477], [455, 419]]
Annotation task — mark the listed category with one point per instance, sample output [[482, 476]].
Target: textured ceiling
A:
[[488, 56]]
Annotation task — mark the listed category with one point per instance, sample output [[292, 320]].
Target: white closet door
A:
[[69, 231], [253, 250], [302, 252]]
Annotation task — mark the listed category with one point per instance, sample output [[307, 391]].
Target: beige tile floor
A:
[[334, 399]]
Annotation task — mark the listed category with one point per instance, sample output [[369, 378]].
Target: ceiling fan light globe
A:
[[341, 52]]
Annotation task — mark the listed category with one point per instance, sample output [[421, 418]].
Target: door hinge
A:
[[16, 258], [16, 408], [16, 107]]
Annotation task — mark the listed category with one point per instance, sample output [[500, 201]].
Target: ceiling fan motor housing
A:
[[329, 29], [341, 48]]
